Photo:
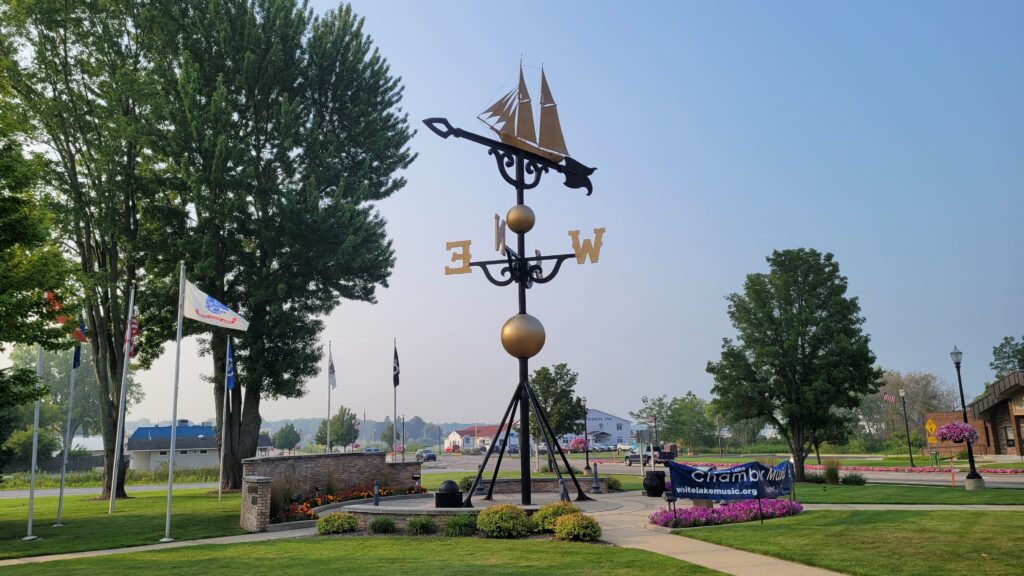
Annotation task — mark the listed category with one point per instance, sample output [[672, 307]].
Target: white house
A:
[[478, 437], [149, 447], [605, 428]]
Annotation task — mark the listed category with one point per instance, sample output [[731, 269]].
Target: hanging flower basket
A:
[[957, 432]]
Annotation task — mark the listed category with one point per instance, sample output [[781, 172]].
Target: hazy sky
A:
[[890, 134]]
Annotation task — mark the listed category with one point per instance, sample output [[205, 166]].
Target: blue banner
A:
[[740, 482]]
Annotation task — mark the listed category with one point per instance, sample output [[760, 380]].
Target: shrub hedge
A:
[[460, 525], [503, 521], [383, 525], [544, 518], [578, 527], [337, 523], [420, 525]]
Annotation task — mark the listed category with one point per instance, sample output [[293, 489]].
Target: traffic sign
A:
[[933, 440], [930, 427]]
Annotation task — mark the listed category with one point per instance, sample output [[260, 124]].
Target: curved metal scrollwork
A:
[[535, 169], [506, 271], [505, 161], [536, 272]]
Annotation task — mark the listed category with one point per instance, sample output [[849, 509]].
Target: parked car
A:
[[623, 446], [453, 449], [371, 449], [426, 455], [633, 457]]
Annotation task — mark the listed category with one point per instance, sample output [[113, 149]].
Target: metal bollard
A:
[[563, 493], [376, 493], [595, 487]]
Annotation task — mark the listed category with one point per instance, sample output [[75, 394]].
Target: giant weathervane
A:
[[523, 155]]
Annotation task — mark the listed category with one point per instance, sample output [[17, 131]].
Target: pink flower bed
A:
[[735, 512], [916, 469]]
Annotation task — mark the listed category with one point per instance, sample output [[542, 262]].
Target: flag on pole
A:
[[129, 345], [396, 369], [889, 398], [229, 370], [205, 308], [331, 377], [78, 347]]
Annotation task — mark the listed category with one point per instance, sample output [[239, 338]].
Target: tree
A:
[[30, 261], [555, 389], [389, 437], [85, 415], [19, 446], [688, 422], [925, 392], [285, 129], [343, 429], [654, 414], [286, 438], [79, 71], [1007, 356], [800, 353]]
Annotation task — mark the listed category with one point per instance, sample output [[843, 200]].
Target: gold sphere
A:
[[520, 218], [522, 336]]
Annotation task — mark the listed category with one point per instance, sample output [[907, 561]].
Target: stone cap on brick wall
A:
[[258, 479], [381, 455]]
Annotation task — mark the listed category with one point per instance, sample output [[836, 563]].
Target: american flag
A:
[[889, 398]]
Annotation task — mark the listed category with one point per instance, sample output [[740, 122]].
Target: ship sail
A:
[[524, 113], [511, 117], [550, 128]]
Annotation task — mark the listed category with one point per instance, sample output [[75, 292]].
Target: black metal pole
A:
[[553, 445], [501, 451], [524, 364], [586, 437], [906, 426], [973, 473], [403, 437], [509, 413]]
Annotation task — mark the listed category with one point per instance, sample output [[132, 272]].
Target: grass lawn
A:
[[137, 520], [94, 479], [895, 494], [408, 556], [884, 543]]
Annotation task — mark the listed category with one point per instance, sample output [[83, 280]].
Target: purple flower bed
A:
[[742, 511]]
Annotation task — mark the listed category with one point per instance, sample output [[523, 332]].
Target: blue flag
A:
[[230, 369], [78, 347]]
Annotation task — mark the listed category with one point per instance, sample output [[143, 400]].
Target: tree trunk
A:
[[817, 452], [799, 458]]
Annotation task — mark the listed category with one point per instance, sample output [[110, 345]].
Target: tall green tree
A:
[[286, 438], [285, 129], [78, 70], [555, 388], [388, 436], [688, 422], [653, 414], [56, 375], [1007, 356], [800, 352], [343, 429], [30, 260]]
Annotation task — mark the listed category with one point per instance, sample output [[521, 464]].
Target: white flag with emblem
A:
[[205, 308]]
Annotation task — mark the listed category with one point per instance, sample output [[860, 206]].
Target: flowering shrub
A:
[[956, 432], [732, 513], [361, 493], [578, 444], [503, 521], [337, 523], [544, 518], [577, 526]]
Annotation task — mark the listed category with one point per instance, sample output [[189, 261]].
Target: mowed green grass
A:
[[137, 520], [885, 543], [896, 494], [386, 556]]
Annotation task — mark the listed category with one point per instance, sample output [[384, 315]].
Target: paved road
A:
[[9, 494]]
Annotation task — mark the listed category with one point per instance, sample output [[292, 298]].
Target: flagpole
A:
[[174, 408], [224, 420], [330, 360], [35, 447], [394, 416], [67, 438], [119, 447]]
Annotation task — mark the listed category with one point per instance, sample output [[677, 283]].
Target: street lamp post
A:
[[403, 437], [974, 480], [586, 434], [906, 426]]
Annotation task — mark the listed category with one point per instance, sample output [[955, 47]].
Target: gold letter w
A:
[[587, 248]]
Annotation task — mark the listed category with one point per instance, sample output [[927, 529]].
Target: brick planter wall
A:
[[511, 485], [337, 473]]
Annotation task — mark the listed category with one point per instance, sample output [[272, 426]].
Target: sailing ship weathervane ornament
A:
[[523, 154]]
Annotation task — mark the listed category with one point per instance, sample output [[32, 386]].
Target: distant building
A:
[[478, 437], [149, 447], [604, 428]]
